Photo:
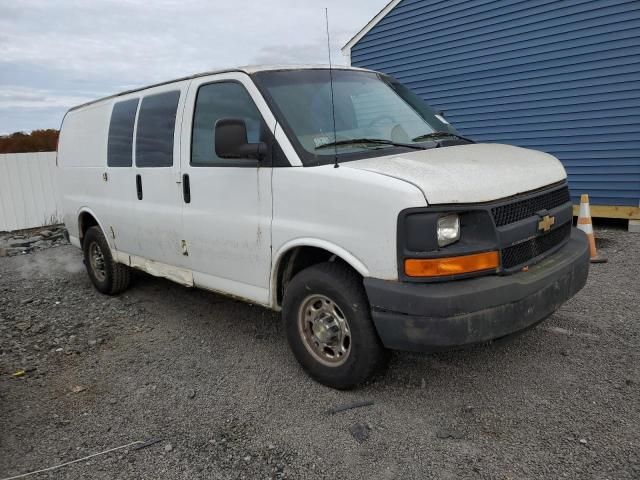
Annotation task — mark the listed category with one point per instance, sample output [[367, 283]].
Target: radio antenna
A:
[[333, 106]]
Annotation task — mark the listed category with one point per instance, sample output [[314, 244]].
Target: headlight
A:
[[448, 229]]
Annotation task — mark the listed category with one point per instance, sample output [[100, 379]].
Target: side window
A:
[[156, 125], [120, 141], [213, 102]]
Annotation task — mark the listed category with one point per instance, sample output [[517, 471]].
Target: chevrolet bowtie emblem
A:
[[545, 223]]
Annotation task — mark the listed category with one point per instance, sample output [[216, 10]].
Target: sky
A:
[[57, 54]]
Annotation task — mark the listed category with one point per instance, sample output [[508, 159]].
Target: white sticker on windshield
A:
[[442, 119], [319, 141]]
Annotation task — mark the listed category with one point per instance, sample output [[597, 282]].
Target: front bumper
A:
[[439, 316]]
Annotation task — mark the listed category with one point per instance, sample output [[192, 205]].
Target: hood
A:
[[469, 173]]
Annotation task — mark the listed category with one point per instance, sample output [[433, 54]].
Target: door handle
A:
[[186, 188], [139, 186]]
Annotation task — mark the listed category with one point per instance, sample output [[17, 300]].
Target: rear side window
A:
[[120, 142], [156, 125], [222, 100]]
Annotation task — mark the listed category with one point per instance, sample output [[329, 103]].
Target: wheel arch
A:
[[86, 219], [302, 253]]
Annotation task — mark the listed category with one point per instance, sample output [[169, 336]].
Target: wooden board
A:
[[611, 211]]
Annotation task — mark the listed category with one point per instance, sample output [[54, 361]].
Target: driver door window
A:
[[215, 101]]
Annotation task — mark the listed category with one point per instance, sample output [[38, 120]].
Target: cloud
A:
[[19, 97], [292, 54], [68, 50]]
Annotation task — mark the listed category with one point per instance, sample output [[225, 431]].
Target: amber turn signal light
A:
[[439, 267]]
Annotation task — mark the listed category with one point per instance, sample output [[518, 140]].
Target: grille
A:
[[513, 212], [525, 251]]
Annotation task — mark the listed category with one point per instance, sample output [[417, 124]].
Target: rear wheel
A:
[[329, 328], [106, 275]]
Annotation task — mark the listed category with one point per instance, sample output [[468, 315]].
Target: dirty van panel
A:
[[227, 222], [82, 137], [121, 220], [156, 175], [82, 164], [159, 269]]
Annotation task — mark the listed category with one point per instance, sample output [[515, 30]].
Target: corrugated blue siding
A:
[[557, 76]]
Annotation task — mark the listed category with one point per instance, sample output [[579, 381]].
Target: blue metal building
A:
[[553, 75]]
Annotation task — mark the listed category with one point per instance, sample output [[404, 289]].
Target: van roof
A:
[[248, 69]]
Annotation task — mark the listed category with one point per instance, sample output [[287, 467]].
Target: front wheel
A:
[[328, 323]]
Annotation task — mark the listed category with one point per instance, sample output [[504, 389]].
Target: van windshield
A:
[[368, 106]]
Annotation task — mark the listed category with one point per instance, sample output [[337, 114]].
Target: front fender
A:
[[338, 251]]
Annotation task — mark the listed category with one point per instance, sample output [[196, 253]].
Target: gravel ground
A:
[[213, 379]]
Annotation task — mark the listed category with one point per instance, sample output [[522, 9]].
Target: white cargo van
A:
[[338, 197]]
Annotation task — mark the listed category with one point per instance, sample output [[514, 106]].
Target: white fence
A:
[[28, 191]]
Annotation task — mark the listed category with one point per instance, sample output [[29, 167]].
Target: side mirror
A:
[[231, 140]]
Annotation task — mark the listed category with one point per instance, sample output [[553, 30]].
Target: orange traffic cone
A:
[[584, 224]]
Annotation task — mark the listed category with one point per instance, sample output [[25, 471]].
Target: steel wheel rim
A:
[[96, 260], [324, 330]]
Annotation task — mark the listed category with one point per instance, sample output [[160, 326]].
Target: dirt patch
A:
[[213, 379]]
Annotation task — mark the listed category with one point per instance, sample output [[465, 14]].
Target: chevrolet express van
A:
[[337, 197]]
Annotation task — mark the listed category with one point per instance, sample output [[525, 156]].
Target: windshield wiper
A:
[[440, 134], [372, 141]]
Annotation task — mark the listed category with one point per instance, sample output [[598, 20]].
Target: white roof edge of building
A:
[[346, 50]]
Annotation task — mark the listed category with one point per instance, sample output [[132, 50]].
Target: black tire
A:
[[344, 288], [114, 277]]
